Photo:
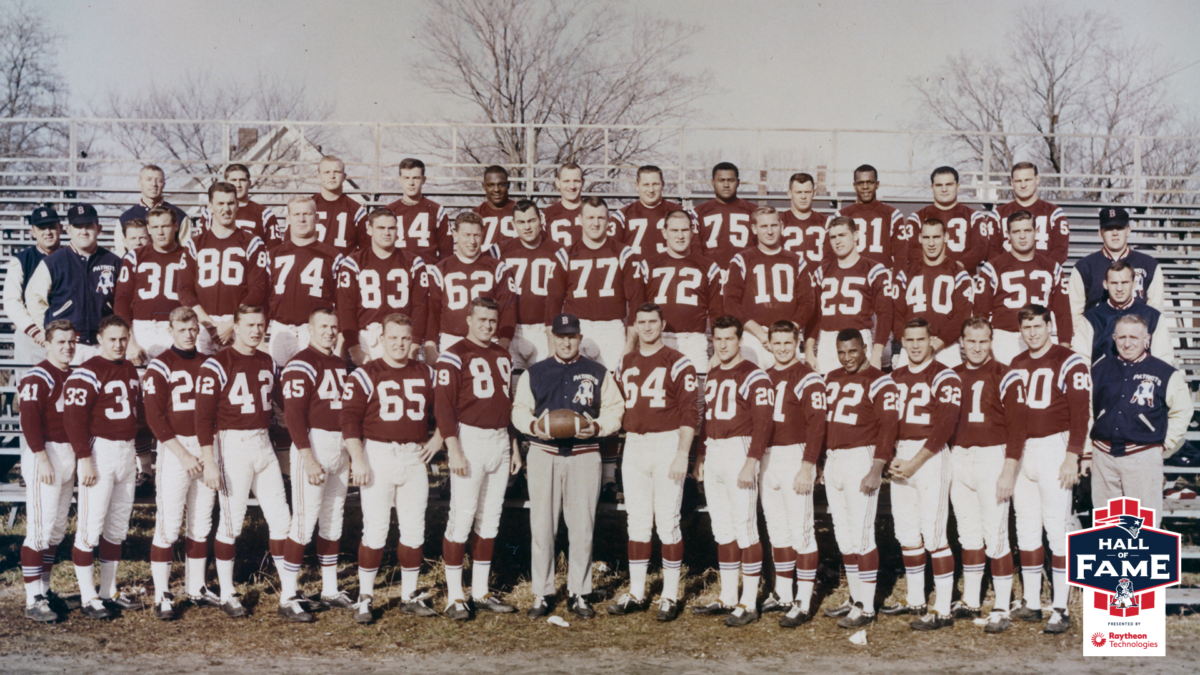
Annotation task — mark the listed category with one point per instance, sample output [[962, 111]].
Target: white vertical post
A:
[[530, 159], [1139, 195], [985, 193]]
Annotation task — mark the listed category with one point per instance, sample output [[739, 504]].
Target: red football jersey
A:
[[862, 410], [423, 230], [687, 289], [799, 409], [534, 271], [739, 402], [370, 288], [312, 385], [108, 395], [993, 410], [1053, 232], [601, 284], [929, 402], [660, 391], [968, 234], [497, 223], [563, 225], [341, 223], [882, 233], [472, 387], [769, 287], [169, 388], [148, 287], [940, 294], [1058, 388], [1006, 284], [41, 405], [303, 278], [259, 220], [858, 297], [221, 274], [389, 405], [725, 229], [455, 282], [234, 391], [640, 227], [805, 238]]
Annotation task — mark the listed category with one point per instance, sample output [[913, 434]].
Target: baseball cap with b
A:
[[44, 216], [82, 214], [566, 324], [1113, 218]]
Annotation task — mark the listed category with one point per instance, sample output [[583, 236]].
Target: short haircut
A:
[[495, 168], [524, 205], [398, 319], [324, 311], [161, 210], [677, 213], [594, 201], [182, 314], [801, 178], [57, 325], [864, 168], [850, 334], [1030, 312], [783, 326], [649, 168], [762, 211], [232, 168], [467, 218], [137, 223], [380, 212], [943, 170], [1017, 216], [728, 321], [726, 166], [110, 321], [302, 199], [221, 186], [1132, 318], [841, 220], [569, 166], [934, 221], [412, 163], [980, 323], [1023, 165], [483, 302], [331, 158], [1119, 266], [152, 167], [918, 322], [650, 307], [243, 310]]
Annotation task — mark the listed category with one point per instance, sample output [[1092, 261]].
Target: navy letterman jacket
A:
[[581, 386], [1093, 269], [81, 288], [1103, 318], [1130, 404]]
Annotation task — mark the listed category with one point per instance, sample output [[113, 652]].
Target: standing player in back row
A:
[[640, 225], [423, 228], [303, 278], [562, 219], [936, 289], [725, 219], [536, 261], [803, 227], [1053, 234], [854, 293], [967, 230], [882, 233], [496, 212], [339, 216], [250, 215]]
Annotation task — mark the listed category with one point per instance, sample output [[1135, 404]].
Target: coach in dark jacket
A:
[[564, 475], [1142, 407]]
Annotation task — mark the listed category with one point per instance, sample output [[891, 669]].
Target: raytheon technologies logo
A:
[[1098, 639]]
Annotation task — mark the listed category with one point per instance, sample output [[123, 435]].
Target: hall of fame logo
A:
[[1123, 564]]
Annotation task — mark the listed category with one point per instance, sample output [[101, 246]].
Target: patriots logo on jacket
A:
[[585, 393], [106, 284], [1131, 524], [1144, 394]]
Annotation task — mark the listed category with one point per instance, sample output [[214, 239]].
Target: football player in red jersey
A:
[[340, 217], [862, 404], [767, 284], [855, 292], [562, 218], [48, 467], [788, 472], [472, 408], [250, 215], [986, 458], [803, 228], [687, 288], [374, 282], [725, 219], [936, 289], [187, 479], [234, 395], [640, 225], [423, 226], [148, 287], [930, 398], [1058, 388], [459, 279], [535, 261], [968, 231], [1016, 279], [312, 384], [104, 398], [659, 384], [882, 232], [303, 278], [1053, 232], [738, 426], [497, 210], [386, 418], [225, 267]]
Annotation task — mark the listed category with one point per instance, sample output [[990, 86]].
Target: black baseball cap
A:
[[44, 216], [1113, 218], [566, 324], [82, 214]]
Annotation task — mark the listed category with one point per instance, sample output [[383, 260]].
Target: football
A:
[[562, 423]]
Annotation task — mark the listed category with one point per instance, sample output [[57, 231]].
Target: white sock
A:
[[108, 579], [33, 590], [288, 581], [46, 559], [853, 584], [160, 572], [943, 586], [1031, 580], [366, 581], [671, 583], [784, 575], [1061, 589], [804, 590], [454, 589], [225, 578], [329, 586], [408, 582], [972, 585], [637, 579], [479, 578], [194, 571], [750, 591], [915, 576], [729, 584], [1003, 586], [86, 575], [866, 586]]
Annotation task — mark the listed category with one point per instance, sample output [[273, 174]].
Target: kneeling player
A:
[[860, 435], [233, 413], [738, 427], [104, 398], [386, 418], [788, 470]]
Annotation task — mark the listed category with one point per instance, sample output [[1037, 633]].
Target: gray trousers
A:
[[567, 487], [1139, 475]]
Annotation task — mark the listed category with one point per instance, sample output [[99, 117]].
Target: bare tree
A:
[[543, 62]]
